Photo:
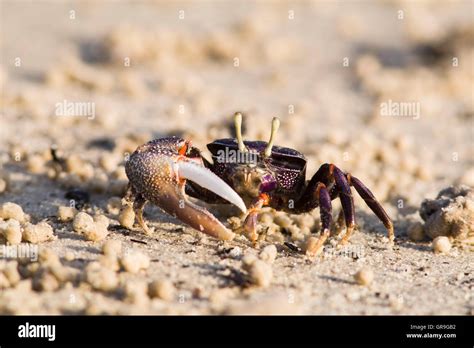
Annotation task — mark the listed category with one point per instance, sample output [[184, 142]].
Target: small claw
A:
[[250, 227]]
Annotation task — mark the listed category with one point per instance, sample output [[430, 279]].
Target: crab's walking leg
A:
[[138, 206], [347, 201], [373, 204], [338, 186], [250, 223], [315, 246], [131, 197]]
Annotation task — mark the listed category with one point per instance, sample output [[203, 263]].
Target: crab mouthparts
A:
[[208, 180]]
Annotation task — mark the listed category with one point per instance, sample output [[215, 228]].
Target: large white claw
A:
[[207, 179]]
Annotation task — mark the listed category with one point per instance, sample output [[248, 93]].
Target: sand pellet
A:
[[97, 233], [35, 164], [282, 220], [75, 165], [66, 214], [163, 289], [136, 291], [127, 217], [112, 247], [63, 274], [99, 182], [11, 210], [451, 214], [248, 260], [4, 283], [113, 205], [45, 281], [219, 297], [441, 245], [69, 256], [83, 222], [102, 221], [109, 162], [265, 218], [120, 174], [109, 261], [11, 230], [304, 220], [365, 276], [134, 261], [48, 257], [259, 272], [39, 233], [11, 273], [101, 278], [268, 254], [3, 185]]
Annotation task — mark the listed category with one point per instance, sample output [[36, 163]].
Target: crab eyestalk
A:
[[275, 126], [238, 131]]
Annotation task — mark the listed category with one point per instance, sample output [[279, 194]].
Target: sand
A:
[[383, 90]]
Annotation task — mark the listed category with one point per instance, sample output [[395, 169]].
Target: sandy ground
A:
[[160, 68]]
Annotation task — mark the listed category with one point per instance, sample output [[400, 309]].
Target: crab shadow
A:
[[229, 276], [370, 224], [407, 244], [336, 279], [36, 190]]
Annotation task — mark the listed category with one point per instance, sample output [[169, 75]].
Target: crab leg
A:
[[138, 206], [315, 246], [338, 184], [371, 201], [250, 223], [347, 201]]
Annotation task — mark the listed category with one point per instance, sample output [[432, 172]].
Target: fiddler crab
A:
[[248, 174]]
